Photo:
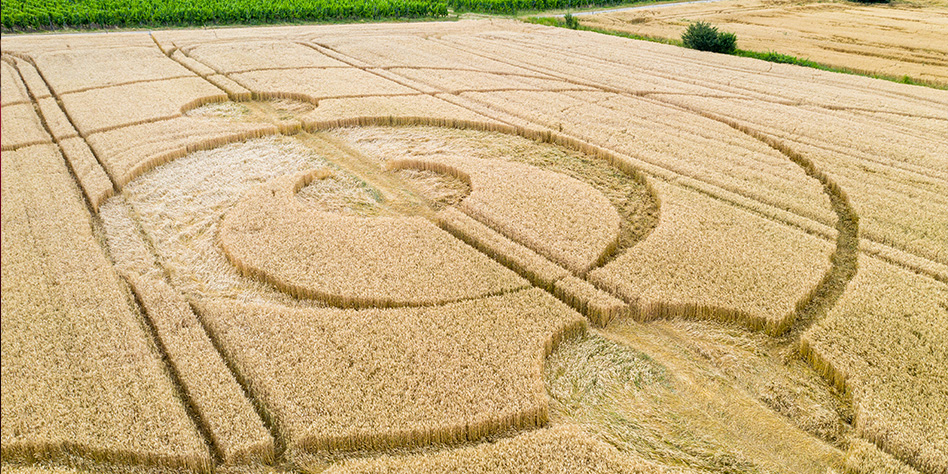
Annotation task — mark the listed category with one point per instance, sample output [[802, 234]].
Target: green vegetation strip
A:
[[39, 15], [770, 56], [58, 14]]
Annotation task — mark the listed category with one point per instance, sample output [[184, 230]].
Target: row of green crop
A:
[[510, 7], [54, 14]]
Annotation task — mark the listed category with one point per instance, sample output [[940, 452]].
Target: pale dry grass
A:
[[353, 261], [80, 373], [236, 431], [335, 379], [21, 127], [99, 110], [898, 39], [565, 449], [92, 179], [129, 152], [98, 67], [710, 260], [243, 56], [885, 342], [12, 89]]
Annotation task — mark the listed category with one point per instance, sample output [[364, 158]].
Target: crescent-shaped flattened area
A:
[[562, 218], [353, 261]]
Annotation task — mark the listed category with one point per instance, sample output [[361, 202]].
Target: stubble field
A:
[[898, 40], [481, 246]]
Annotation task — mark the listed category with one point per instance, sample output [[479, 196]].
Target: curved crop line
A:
[[844, 260]]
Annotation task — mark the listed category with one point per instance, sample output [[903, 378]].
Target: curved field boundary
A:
[[294, 436], [894, 255]]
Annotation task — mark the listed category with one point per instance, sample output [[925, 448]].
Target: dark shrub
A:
[[704, 37], [571, 21]]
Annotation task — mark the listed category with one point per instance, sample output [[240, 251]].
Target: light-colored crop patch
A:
[[353, 261], [92, 68], [708, 259], [362, 242], [345, 380], [81, 375], [559, 449]]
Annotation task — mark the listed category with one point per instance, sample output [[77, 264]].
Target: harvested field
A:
[[379, 247], [901, 39]]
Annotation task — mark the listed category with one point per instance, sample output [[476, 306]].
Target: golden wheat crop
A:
[[557, 138], [234, 90], [884, 342], [80, 373], [229, 58], [708, 259], [92, 68], [56, 121], [192, 64], [529, 264], [336, 379], [396, 106], [22, 127], [12, 90], [863, 457], [855, 37], [316, 84], [179, 207], [235, 429], [92, 179], [98, 110], [353, 261], [559, 217], [562, 449], [457, 81], [129, 152], [31, 77]]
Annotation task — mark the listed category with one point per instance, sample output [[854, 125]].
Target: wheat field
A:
[[903, 39], [475, 246]]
